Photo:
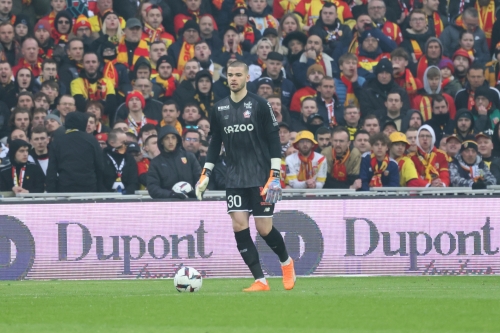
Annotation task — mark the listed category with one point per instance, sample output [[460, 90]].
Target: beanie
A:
[[484, 92], [53, 117], [191, 24], [14, 146], [462, 53], [137, 94], [447, 63], [384, 65], [166, 59], [43, 24], [469, 142], [315, 68], [81, 21]]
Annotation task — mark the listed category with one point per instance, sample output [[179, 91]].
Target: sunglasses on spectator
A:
[[191, 127], [191, 139], [63, 22]]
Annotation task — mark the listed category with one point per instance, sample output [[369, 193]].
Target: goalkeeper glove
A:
[[202, 184], [273, 188]]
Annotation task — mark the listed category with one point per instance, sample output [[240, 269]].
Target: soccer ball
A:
[[182, 187], [187, 279]]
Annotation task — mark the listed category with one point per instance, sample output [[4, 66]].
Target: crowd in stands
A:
[[117, 95]]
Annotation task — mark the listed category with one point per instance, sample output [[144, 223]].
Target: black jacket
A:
[[33, 180], [151, 111], [462, 97], [75, 159], [442, 125], [338, 110], [184, 93], [68, 71], [375, 94], [169, 168], [4, 120], [8, 94], [130, 175]]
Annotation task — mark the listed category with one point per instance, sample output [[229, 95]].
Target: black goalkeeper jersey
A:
[[249, 132]]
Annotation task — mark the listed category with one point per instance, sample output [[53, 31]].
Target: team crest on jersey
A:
[[248, 105], [184, 160], [247, 114]]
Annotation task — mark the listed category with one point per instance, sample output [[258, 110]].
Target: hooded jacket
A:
[[451, 38], [463, 174], [152, 110], [442, 125], [67, 72], [220, 87], [129, 174], [374, 96], [473, 128], [75, 159], [405, 122], [282, 86], [421, 39], [204, 101], [462, 97], [33, 176], [169, 168]]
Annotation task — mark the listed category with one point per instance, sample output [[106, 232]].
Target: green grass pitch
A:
[[364, 304]]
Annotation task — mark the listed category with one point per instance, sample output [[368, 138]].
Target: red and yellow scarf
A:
[[470, 101], [350, 97], [486, 19], [339, 171], [421, 67], [438, 24], [417, 50], [187, 53], [306, 170], [35, 69], [168, 85], [378, 170], [142, 50], [248, 32], [109, 71], [428, 172], [52, 18], [425, 107], [45, 55], [407, 82], [156, 35], [97, 91]]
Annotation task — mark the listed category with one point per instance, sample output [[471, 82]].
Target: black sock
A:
[[275, 241], [249, 252]]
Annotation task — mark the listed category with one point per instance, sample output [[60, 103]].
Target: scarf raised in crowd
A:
[[425, 107], [306, 170], [417, 50], [486, 19], [109, 71], [97, 91], [320, 61], [427, 160], [378, 170], [156, 35], [350, 97], [202, 105], [248, 32], [45, 54], [339, 171], [187, 53], [407, 82], [169, 85], [142, 50], [438, 24], [59, 38]]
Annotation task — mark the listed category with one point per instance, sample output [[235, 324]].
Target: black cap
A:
[[364, 35], [231, 28], [313, 116], [384, 65], [133, 148], [283, 124], [191, 24], [270, 31], [15, 145], [296, 35], [469, 142], [275, 56], [464, 113], [133, 23], [166, 59], [265, 80], [389, 123], [483, 91]]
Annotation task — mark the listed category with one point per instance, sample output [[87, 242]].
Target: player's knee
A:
[[264, 226]]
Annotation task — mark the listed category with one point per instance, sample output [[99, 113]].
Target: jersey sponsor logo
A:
[[247, 105], [238, 128], [223, 108], [247, 114]]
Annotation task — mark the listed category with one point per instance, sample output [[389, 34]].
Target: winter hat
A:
[[42, 24], [191, 24], [265, 80], [203, 73], [430, 130], [364, 35], [315, 68], [447, 63], [66, 15], [469, 142], [313, 116], [108, 12], [483, 135], [133, 148], [483, 91], [166, 59], [22, 19], [275, 56], [462, 53], [102, 137], [270, 31], [138, 94], [14, 146], [384, 65], [240, 8], [53, 117], [81, 21], [464, 113]]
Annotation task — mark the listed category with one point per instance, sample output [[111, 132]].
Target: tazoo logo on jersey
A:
[[238, 128]]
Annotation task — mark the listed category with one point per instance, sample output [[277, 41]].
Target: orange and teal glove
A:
[[273, 188], [202, 184]]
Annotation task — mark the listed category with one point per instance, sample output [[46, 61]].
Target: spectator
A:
[[295, 42], [351, 119], [181, 166], [413, 118], [165, 78], [136, 117], [282, 85], [309, 15], [208, 32], [25, 100], [362, 141], [82, 28], [183, 49], [39, 115], [305, 168], [308, 107], [402, 74], [348, 86], [464, 124], [21, 175], [492, 71], [485, 112], [332, 31], [453, 144], [153, 28], [377, 168], [41, 101], [204, 95], [393, 109], [51, 89], [52, 123], [152, 108], [411, 136], [280, 111], [71, 63], [132, 47], [45, 42], [475, 79], [102, 139], [187, 89], [246, 29], [63, 24], [97, 110], [170, 114], [468, 21], [191, 140], [416, 35], [66, 105], [371, 124], [485, 149], [115, 72], [435, 20], [462, 63], [156, 51], [39, 154], [8, 45], [408, 176], [97, 20], [377, 11], [91, 123], [315, 73], [322, 136], [75, 159], [449, 84], [284, 133], [468, 169], [30, 59], [150, 149], [93, 86], [433, 54], [328, 105], [441, 122], [371, 51], [7, 85], [146, 131], [431, 163], [191, 115], [342, 162], [265, 87], [260, 14], [375, 92], [120, 169], [258, 58], [204, 128]]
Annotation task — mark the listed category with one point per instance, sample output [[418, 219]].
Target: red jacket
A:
[[438, 166], [299, 96]]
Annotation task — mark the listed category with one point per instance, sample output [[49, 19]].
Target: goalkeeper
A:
[[245, 123]]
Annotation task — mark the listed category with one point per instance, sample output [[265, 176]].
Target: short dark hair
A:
[[40, 95], [359, 132], [204, 143], [238, 63], [171, 102], [95, 103], [380, 137], [113, 134], [322, 130], [39, 110], [400, 52], [370, 116], [438, 99], [146, 128], [396, 92], [191, 105], [341, 129], [39, 129], [307, 99], [191, 130], [149, 138], [51, 84], [74, 39], [18, 110], [347, 56], [49, 61], [201, 41], [475, 67]]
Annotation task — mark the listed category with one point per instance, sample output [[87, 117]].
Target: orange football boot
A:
[[257, 286], [288, 275]]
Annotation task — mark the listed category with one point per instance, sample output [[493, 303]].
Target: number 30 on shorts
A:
[[234, 201]]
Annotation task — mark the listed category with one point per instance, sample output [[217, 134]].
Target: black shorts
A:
[[248, 200]]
